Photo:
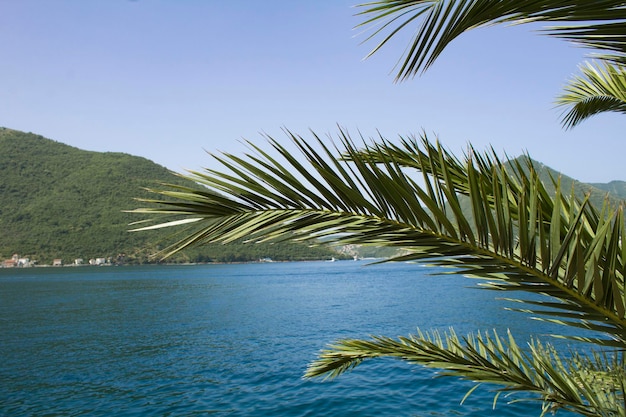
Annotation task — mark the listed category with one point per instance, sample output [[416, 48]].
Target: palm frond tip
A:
[[590, 386], [598, 25]]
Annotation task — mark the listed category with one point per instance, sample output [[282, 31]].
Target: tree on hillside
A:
[[518, 238]]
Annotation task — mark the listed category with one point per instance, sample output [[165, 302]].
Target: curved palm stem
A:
[[600, 88], [442, 21], [588, 386], [515, 235]]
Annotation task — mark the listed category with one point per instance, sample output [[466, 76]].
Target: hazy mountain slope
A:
[[597, 192], [615, 188]]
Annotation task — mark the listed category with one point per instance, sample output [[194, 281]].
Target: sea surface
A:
[[234, 340]]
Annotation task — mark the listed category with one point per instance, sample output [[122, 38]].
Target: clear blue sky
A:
[[167, 80]]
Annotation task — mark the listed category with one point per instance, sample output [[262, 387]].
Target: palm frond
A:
[[590, 386], [439, 22], [518, 237], [600, 88]]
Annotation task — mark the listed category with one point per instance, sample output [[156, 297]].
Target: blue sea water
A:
[[233, 340]]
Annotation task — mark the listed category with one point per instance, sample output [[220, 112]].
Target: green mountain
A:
[[60, 202]]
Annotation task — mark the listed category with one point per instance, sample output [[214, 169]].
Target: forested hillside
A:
[[57, 201]]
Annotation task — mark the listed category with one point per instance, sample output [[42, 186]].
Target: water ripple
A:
[[231, 340]]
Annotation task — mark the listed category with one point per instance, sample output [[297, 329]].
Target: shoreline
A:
[[162, 264]]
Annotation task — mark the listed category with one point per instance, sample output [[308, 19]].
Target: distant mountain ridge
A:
[[61, 202], [615, 191], [616, 188]]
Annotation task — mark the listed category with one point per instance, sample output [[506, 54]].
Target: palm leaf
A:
[[590, 386], [600, 88], [518, 237], [442, 21]]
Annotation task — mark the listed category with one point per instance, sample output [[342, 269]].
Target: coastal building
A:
[[23, 262], [16, 261], [9, 263]]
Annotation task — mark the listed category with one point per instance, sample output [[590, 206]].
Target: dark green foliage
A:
[[239, 252], [57, 201]]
